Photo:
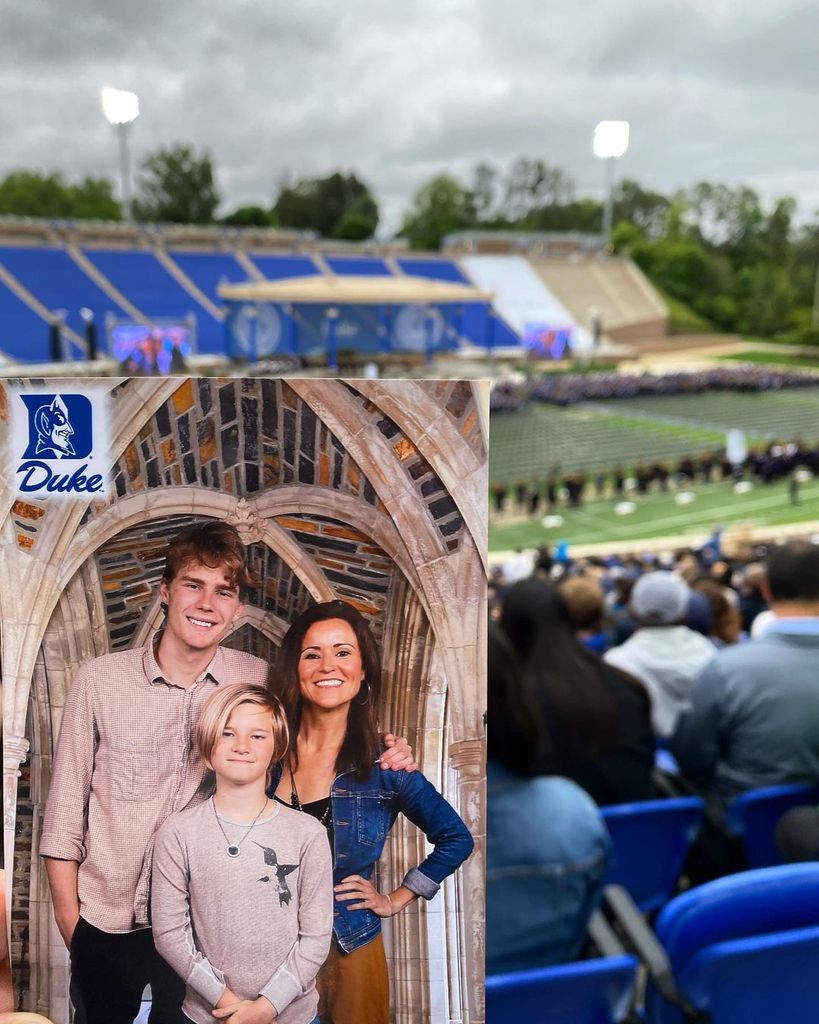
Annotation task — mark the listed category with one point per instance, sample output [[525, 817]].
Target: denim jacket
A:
[[546, 854], [363, 813]]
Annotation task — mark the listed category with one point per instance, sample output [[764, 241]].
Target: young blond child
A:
[[242, 903]]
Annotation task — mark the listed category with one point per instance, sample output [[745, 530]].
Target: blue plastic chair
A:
[[589, 992], [743, 948], [650, 841], [755, 815]]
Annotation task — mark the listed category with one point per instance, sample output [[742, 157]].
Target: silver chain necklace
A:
[[234, 849]]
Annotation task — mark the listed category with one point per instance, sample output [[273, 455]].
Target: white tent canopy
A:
[[319, 289]]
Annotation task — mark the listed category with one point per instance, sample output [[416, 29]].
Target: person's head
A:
[[659, 599], [726, 622], [793, 576], [513, 733], [205, 565], [241, 733], [329, 662], [583, 599]]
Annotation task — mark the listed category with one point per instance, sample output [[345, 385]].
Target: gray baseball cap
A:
[[660, 598]]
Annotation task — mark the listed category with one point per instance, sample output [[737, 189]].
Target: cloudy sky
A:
[[722, 90]]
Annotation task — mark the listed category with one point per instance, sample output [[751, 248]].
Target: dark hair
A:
[[514, 736], [563, 676], [793, 571], [361, 745], [213, 544]]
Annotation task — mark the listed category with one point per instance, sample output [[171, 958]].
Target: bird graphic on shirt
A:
[[282, 871]]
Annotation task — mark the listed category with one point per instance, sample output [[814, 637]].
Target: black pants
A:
[[110, 971]]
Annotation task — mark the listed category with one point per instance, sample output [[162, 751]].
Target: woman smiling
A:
[[329, 678]]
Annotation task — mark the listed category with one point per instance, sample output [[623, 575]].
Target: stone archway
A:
[[333, 497]]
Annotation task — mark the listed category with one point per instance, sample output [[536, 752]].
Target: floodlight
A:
[[610, 139], [120, 106]]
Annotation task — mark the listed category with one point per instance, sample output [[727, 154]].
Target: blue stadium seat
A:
[[23, 334], [147, 284], [755, 815], [650, 841], [436, 268], [589, 992], [275, 268], [55, 279], [742, 948], [208, 269], [360, 265]]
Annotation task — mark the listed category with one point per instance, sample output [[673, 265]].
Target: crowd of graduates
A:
[[545, 493], [566, 389]]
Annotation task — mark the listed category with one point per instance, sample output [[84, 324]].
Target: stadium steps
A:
[[33, 303], [322, 264], [610, 287], [102, 282], [247, 264], [189, 285]]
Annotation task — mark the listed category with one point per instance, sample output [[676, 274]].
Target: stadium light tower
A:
[[121, 109], [610, 143]]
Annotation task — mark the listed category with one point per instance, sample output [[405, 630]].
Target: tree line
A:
[[715, 251]]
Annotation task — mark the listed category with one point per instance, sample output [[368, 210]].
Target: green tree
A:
[[484, 190], [534, 184], [438, 208], [645, 209], [93, 199], [31, 194], [177, 187], [250, 217], [338, 206]]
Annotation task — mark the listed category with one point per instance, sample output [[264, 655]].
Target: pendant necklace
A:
[[296, 803], [234, 849]]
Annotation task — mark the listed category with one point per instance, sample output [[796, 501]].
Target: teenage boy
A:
[[125, 762]]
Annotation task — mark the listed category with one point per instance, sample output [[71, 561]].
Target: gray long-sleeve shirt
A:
[[754, 715], [259, 923]]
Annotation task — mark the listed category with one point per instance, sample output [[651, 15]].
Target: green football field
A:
[[659, 515]]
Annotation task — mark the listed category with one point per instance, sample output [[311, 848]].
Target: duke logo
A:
[[60, 428]]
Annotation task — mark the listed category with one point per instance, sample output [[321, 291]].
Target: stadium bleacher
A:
[[209, 269], [168, 273]]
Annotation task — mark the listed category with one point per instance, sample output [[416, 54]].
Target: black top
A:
[[321, 810]]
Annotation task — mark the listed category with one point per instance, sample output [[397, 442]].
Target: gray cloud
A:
[[714, 89]]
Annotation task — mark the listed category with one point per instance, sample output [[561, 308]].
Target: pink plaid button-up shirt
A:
[[125, 761]]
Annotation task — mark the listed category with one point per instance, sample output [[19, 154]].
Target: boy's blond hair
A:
[[220, 706]]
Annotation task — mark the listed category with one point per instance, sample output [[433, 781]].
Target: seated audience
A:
[[547, 845], [596, 719], [754, 710]]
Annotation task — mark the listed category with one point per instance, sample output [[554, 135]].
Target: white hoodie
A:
[[667, 660]]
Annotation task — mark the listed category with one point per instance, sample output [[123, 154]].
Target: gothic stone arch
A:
[[370, 493]]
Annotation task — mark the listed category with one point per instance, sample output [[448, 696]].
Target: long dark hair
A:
[[563, 676], [361, 745], [514, 735]]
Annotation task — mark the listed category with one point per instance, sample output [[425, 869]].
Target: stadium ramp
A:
[[521, 296], [612, 288]]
